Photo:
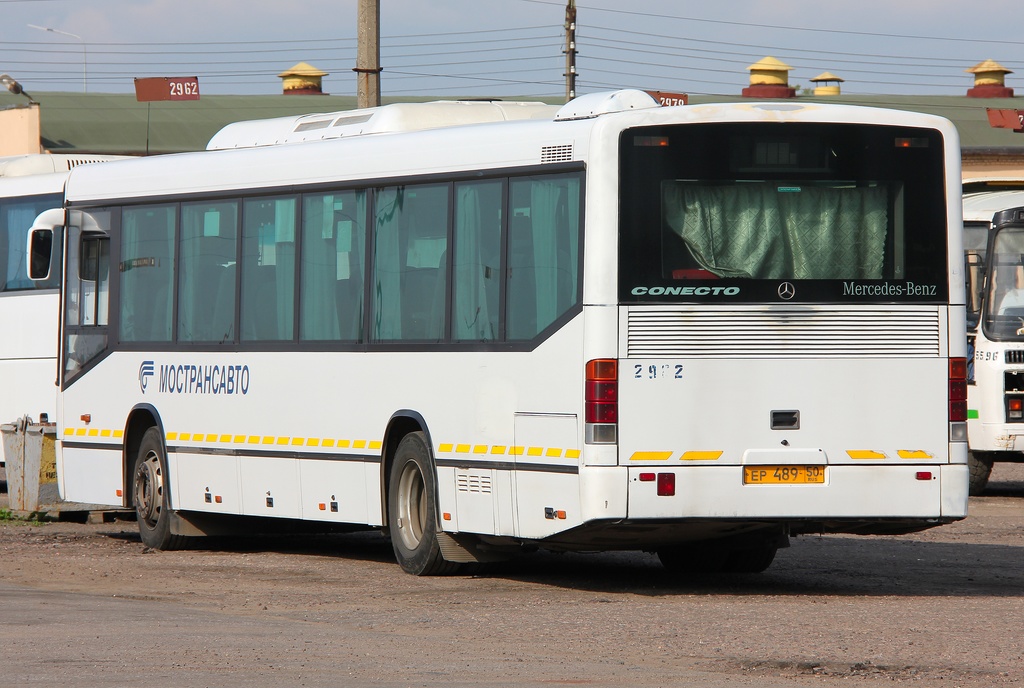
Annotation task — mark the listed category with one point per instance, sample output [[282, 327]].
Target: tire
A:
[[694, 558], [151, 494], [980, 466], [412, 510], [750, 559]]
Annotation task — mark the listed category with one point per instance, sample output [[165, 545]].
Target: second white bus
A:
[[994, 246], [696, 331], [29, 184]]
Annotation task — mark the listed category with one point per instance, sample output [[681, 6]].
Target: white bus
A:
[[994, 247], [29, 184], [691, 330]]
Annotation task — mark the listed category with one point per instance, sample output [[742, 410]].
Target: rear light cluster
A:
[[957, 390], [1014, 409], [666, 482], [602, 401], [1013, 386]]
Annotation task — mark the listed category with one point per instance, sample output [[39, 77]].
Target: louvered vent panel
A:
[[1014, 355], [466, 481], [561, 153], [782, 334]]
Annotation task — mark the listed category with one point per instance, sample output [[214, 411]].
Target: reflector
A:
[[666, 484]]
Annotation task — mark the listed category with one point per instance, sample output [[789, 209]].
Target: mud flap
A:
[[463, 549]]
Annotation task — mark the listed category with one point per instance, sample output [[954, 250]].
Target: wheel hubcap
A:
[[412, 506], [149, 490]]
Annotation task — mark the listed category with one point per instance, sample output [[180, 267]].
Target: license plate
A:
[[783, 475]]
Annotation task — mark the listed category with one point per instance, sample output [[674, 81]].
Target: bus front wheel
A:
[[412, 510], [151, 495]]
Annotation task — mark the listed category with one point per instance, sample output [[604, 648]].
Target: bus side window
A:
[[268, 269], [206, 306], [147, 273], [332, 270], [543, 253]]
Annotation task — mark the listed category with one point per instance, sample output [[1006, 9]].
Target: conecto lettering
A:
[[685, 291]]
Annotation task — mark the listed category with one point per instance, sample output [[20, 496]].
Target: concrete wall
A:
[[19, 130]]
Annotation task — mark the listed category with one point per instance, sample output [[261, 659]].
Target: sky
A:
[[508, 48]]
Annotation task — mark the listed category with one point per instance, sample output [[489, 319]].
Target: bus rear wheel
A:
[[151, 494], [412, 510], [980, 466], [694, 558], [753, 559]]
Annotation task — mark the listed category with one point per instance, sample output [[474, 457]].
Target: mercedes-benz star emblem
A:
[[787, 291]]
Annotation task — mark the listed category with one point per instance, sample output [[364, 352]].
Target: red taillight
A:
[[957, 390], [602, 391], [666, 484], [602, 413]]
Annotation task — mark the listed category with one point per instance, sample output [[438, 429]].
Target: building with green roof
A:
[[117, 124]]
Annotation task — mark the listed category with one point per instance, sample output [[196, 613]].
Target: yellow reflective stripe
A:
[[650, 456], [914, 454], [446, 447], [865, 454], [504, 450], [701, 455]]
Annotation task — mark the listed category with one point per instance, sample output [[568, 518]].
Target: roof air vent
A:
[[595, 104]]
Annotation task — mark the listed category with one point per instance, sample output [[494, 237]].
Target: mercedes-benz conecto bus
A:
[[693, 330], [994, 246], [29, 184]]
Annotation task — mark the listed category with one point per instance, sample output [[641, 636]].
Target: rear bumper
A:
[[850, 493]]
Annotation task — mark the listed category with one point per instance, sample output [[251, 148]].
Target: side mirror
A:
[[40, 251], [975, 282], [41, 237]]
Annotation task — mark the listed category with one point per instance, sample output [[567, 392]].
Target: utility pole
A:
[[570, 51], [368, 67]]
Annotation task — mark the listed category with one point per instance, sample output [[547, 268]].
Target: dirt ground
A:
[[87, 605]]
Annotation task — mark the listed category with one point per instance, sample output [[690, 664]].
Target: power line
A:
[[762, 26]]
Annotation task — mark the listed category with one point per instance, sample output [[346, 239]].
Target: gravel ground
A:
[[85, 604]]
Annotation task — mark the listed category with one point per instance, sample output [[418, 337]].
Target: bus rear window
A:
[[839, 212]]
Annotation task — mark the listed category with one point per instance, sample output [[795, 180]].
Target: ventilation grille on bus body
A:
[[791, 333], [466, 481], [1014, 355], [75, 161], [561, 153]]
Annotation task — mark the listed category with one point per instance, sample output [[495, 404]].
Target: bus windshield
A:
[[732, 210], [16, 215], [1004, 303]]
